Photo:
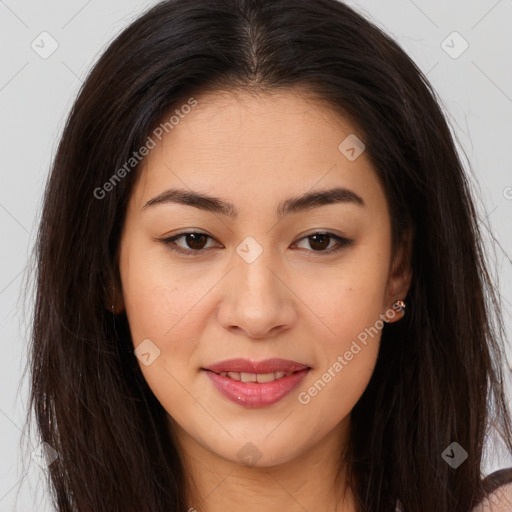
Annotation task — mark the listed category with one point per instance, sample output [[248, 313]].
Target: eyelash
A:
[[342, 242]]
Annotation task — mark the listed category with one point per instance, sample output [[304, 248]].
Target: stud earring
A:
[[398, 306]]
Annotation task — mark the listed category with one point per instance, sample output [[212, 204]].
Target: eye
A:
[[320, 241], [195, 242]]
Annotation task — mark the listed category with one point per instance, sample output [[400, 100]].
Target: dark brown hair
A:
[[438, 377]]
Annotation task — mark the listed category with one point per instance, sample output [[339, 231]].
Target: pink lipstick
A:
[[256, 383]]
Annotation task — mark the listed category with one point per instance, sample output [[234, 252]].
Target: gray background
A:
[[36, 94]]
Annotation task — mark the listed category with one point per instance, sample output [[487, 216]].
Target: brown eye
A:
[[194, 242], [320, 242]]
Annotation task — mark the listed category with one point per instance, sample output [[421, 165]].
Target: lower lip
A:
[[254, 394]]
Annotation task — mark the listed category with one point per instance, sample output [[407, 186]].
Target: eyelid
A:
[[169, 241], [343, 242]]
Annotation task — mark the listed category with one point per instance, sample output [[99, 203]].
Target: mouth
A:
[[265, 367], [255, 377], [256, 384]]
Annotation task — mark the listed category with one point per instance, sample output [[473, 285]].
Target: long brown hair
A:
[[438, 377]]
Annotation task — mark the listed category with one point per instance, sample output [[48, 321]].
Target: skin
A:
[[293, 302]]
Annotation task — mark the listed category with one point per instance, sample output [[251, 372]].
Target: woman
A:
[[261, 281]]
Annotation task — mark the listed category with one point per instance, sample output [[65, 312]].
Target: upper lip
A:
[[265, 366]]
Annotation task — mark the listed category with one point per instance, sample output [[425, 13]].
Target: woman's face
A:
[[257, 284]]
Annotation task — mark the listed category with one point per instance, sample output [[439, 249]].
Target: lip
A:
[[255, 394], [265, 366]]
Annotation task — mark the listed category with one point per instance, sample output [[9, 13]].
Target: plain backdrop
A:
[[470, 69]]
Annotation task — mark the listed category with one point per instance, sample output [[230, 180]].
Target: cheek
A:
[[349, 305], [160, 307], [349, 298], [159, 297], [347, 313], [346, 356]]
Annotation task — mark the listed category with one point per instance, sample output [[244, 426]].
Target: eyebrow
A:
[[300, 203]]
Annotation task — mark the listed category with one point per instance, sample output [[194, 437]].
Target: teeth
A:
[[266, 377], [255, 377]]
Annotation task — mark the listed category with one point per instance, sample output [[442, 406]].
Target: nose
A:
[[258, 298]]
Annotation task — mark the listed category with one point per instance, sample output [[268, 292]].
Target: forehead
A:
[[254, 148]]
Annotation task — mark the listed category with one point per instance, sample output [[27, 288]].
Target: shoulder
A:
[[498, 486]]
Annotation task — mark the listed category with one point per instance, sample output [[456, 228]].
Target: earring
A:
[[399, 306]]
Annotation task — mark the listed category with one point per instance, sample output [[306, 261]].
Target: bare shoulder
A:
[[499, 500], [499, 496]]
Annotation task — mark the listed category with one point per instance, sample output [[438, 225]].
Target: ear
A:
[[400, 273]]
